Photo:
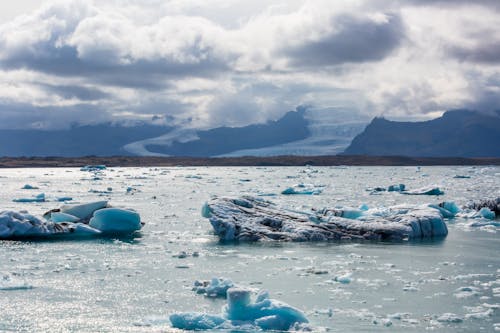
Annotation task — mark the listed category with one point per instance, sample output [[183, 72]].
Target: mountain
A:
[[304, 131], [458, 133], [99, 140]]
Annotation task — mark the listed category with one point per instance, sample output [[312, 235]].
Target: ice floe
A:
[[241, 313], [94, 218], [93, 168], [252, 219], [306, 189]]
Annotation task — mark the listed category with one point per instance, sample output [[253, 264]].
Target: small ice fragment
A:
[[424, 191], [487, 213], [217, 287], [449, 318], [396, 188], [29, 187], [345, 279], [39, 198]]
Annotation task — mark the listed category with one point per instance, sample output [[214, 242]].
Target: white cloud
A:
[[232, 62]]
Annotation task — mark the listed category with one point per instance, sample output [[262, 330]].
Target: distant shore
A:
[[135, 161]]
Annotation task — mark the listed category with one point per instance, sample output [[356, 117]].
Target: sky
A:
[[203, 64]]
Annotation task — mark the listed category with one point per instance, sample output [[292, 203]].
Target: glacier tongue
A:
[[253, 219]]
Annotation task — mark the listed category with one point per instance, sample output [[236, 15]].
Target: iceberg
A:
[[254, 219], [29, 187], [115, 220], [493, 205], [241, 313], [306, 189], [91, 219], [424, 191]]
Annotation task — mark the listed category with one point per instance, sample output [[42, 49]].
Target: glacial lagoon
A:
[[135, 283]]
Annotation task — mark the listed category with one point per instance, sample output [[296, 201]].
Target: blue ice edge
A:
[[95, 219]]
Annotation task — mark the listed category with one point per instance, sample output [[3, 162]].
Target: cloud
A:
[[207, 64], [352, 40]]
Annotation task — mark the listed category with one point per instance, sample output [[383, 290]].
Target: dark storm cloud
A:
[[64, 61], [355, 40], [79, 92], [23, 115], [488, 52]]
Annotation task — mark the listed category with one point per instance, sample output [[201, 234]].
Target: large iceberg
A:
[[95, 218], [241, 313], [253, 219]]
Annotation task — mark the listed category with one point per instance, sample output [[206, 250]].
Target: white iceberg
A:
[[254, 219]]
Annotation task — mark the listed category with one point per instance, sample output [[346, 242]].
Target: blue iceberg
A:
[[241, 313]]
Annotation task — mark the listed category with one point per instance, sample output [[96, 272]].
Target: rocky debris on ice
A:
[[401, 188], [243, 314], [253, 219], [94, 218], [305, 189], [217, 287], [492, 205]]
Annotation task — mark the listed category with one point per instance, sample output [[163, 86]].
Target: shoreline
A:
[[289, 160]]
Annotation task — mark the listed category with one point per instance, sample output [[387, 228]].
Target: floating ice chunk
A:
[[306, 189], [396, 188], [267, 313], [241, 313], [115, 220], [253, 219], [468, 291], [344, 279], [29, 187], [92, 168], [449, 318], [448, 209], [84, 211], [217, 287], [8, 283], [493, 205], [461, 177], [39, 198], [193, 321], [487, 213], [424, 191]]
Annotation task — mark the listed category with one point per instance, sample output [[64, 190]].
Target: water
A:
[[133, 284]]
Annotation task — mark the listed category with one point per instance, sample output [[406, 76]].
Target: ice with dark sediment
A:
[[89, 219], [254, 219], [241, 313]]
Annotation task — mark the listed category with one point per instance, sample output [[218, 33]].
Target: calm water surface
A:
[[117, 285]]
